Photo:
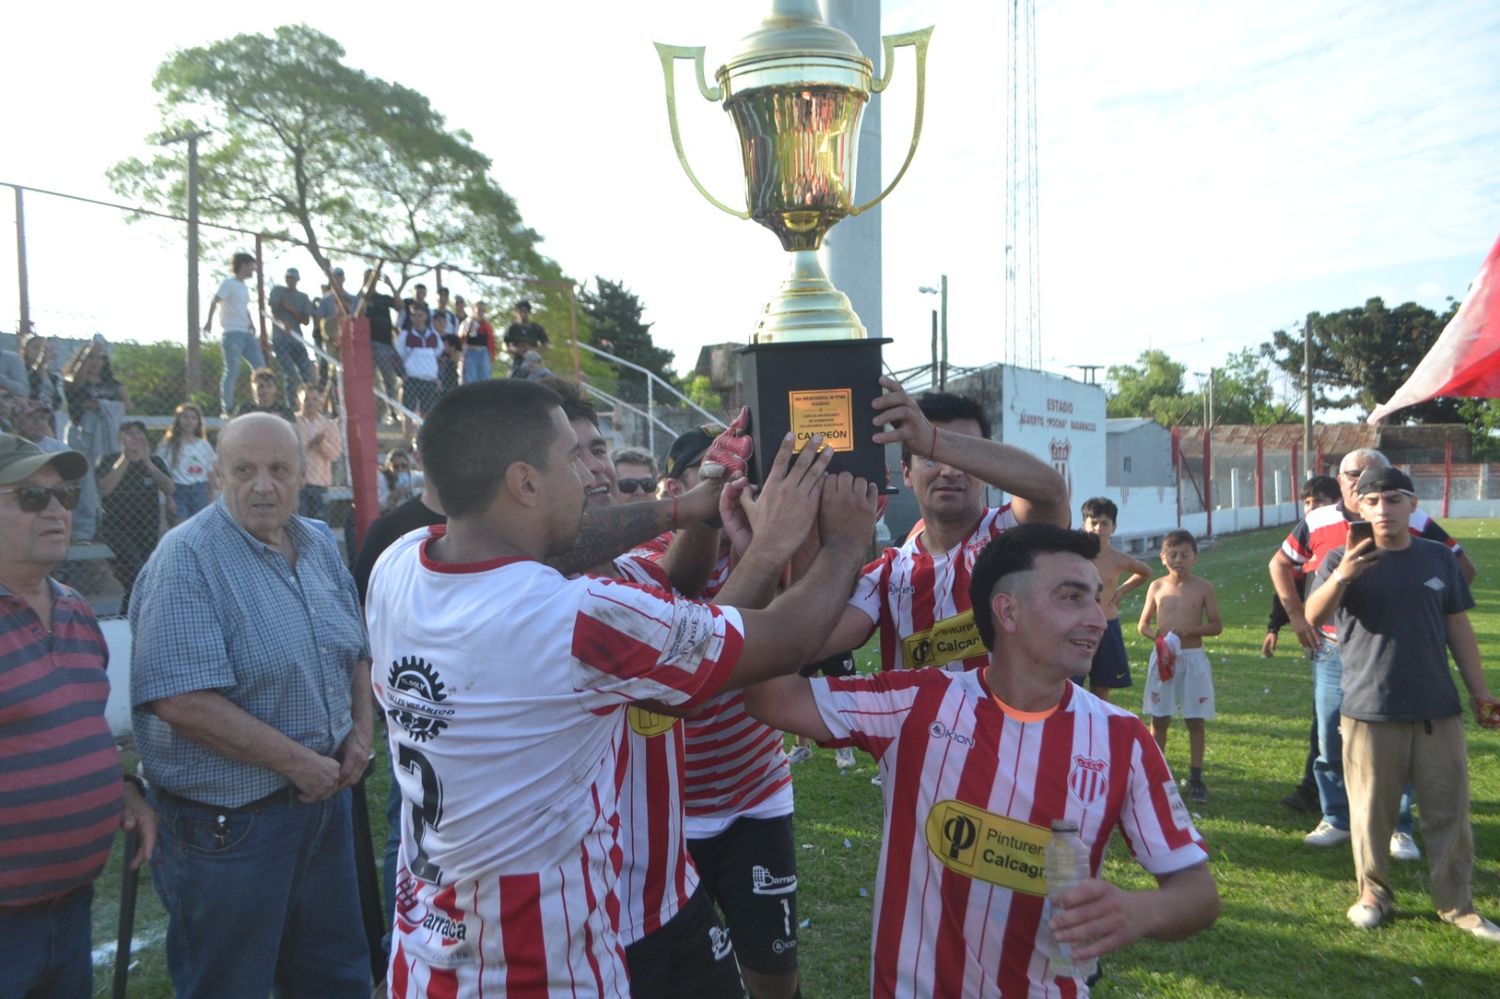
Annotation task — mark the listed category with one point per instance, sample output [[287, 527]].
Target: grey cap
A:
[[291, 272], [20, 458]]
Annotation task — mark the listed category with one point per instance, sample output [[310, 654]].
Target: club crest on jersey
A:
[[415, 694], [1088, 779]]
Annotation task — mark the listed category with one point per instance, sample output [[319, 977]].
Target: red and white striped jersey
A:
[[505, 686], [657, 876], [1327, 527], [736, 766], [920, 601], [971, 792]]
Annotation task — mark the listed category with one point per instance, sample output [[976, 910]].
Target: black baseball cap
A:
[[1384, 480], [688, 450]]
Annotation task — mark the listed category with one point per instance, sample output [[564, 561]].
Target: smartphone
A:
[[1360, 530], [1489, 716]]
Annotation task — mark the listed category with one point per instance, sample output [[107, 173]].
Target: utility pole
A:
[[194, 374], [934, 379], [23, 328], [1307, 396], [940, 357]]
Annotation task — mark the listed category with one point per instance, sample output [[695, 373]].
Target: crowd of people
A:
[[586, 664]]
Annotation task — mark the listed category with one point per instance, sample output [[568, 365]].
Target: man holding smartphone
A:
[[1400, 605]]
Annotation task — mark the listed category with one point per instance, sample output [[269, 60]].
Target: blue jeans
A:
[[239, 345], [291, 357], [1328, 768], [387, 365], [189, 499], [476, 364], [261, 899], [45, 949]]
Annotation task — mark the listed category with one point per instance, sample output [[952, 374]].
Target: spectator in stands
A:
[[60, 790], [253, 716], [419, 297], [420, 347], [479, 346], [532, 368], [635, 475], [393, 486], [335, 303], [383, 356], [13, 374], [43, 382], [232, 300], [450, 363], [460, 310], [443, 314], [523, 335], [267, 396], [322, 443], [189, 458], [290, 310], [34, 421], [131, 484], [97, 404]]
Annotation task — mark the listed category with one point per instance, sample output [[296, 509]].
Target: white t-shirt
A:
[[506, 685], [234, 306], [194, 461], [971, 791]]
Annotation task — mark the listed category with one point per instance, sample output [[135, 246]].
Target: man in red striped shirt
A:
[[61, 797], [977, 766], [917, 595], [509, 684]]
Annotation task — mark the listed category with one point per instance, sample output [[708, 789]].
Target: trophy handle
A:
[[918, 40], [669, 55]]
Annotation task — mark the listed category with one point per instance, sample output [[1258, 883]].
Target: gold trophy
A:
[[797, 88]]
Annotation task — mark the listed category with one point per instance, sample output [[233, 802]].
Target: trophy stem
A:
[[808, 307]]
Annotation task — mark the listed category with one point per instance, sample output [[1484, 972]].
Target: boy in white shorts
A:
[[1180, 612]]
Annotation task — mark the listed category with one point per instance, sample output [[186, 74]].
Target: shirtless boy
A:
[[1182, 606], [1111, 668]]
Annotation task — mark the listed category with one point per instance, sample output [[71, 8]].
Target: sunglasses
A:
[[629, 486], [34, 499]]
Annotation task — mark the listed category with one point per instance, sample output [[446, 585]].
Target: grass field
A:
[[1282, 932]]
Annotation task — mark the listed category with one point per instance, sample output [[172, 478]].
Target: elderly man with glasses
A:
[[60, 785]]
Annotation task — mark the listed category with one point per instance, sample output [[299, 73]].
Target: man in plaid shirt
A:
[[250, 682]]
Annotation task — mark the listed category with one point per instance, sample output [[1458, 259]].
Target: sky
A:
[[1207, 173]]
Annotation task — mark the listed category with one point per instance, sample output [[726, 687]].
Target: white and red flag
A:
[[1465, 361]]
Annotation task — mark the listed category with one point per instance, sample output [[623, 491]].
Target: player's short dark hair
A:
[[946, 407], [477, 431], [133, 425], [1179, 537], [238, 259], [1322, 487], [1016, 551], [574, 405], [1102, 506]]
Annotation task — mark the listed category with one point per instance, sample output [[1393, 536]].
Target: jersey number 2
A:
[[429, 815]]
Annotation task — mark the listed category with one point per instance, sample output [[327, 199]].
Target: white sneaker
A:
[[876, 781], [799, 754], [1403, 847], [844, 758], [1326, 834], [1473, 922], [1366, 917]]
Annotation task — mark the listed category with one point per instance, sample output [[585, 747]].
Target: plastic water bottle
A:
[[1066, 857]]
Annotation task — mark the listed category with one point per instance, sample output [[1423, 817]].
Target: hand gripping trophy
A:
[[797, 88]]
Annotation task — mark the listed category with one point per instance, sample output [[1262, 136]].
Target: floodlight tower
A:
[[1023, 298]]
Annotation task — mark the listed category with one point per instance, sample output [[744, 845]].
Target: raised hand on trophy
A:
[[729, 454], [900, 412]]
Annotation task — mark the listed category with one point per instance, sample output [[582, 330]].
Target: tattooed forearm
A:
[[612, 531]]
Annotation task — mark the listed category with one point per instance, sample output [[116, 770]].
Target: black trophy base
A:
[[815, 387]]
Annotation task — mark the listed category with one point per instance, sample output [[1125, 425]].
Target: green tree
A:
[[303, 146], [1243, 392], [614, 319], [1361, 356], [155, 376], [1152, 388]]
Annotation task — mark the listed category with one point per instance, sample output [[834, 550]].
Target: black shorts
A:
[[1111, 662], [839, 665], [688, 956], [419, 395], [750, 870]]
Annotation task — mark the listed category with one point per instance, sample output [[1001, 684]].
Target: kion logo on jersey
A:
[[414, 692], [1088, 779]]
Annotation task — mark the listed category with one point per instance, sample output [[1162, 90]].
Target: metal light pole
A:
[[942, 292], [194, 375], [1307, 397]]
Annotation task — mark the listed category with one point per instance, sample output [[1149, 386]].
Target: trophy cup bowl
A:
[[796, 89]]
